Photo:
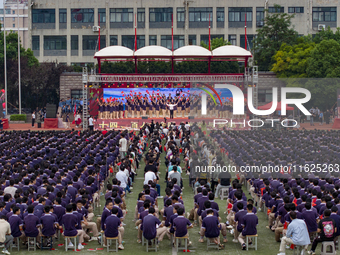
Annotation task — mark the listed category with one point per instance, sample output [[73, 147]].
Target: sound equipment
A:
[[39, 125], [144, 117], [51, 111], [191, 117]]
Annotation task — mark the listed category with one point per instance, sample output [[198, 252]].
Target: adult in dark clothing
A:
[[326, 230]]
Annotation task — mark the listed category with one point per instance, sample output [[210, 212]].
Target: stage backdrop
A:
[[96, 95]]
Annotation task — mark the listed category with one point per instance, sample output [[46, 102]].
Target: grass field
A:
[[266, 242]]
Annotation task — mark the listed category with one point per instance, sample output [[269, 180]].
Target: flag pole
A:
[[172, 32], [19, 64], [5, 61], [135, 31], [209, 31], [99, 31], [245, 31]]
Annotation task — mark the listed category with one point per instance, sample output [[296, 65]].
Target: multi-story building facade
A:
[[67, 31], [9, 19]]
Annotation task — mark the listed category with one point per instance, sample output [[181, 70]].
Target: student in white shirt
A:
[[91, 123]]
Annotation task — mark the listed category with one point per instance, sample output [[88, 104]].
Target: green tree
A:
[[324, 61], [291, 60], [215, 43], [276, 30]]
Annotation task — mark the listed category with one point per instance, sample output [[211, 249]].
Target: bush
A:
[[18, 117]]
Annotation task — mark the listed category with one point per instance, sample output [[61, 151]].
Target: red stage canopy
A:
[[278, 108]]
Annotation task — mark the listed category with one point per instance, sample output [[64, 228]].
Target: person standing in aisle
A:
[[91, 123], [33, 118]]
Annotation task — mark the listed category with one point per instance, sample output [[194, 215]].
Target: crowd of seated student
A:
[[293, 148], [52, 180], [310, 198]]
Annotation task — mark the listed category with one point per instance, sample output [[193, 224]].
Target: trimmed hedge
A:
[[18, 117]]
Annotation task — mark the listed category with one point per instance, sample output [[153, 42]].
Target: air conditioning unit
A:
[[259, 23], [95, 28], [321, 26]]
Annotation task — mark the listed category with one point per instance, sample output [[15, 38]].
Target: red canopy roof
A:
[[278, 108]]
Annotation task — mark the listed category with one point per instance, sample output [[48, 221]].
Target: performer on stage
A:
[[171, 108], [157, 108], [101, 108], [138, 109]]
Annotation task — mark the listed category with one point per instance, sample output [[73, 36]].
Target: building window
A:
[[160, 14], [178, 41], [35, 42], [152, 39], [192, 40], [141, 15], [13, 25], [265, 95], [13, 12], [76, 93], [275, 9], [220, 14], [121, 15], [13, 19], [237, 14], [324, 14], [200, 14], [259, 16], [54, 42], [180, 14], [90, 42], [8, 11], [113, 40], [62, 15], [102, 15], [43, 15], [295, 9], [82, 15], [1, 18], [1, 11], [232, 39], [129, 41], [74, 42]]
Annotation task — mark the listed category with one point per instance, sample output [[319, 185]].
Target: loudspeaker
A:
[[144, 117], [51, 111], [191, 117], [39, 125]]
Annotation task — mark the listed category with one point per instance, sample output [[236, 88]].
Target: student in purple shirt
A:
[[139, 223], [150, 231], [310, 217], [211, 229], [59, 210], [113, 227], [106, 213], [168, 212], [249, 225], [48, 222], [16, 224], [70, 222], [239, 221], [181, 225], [31, 224]]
